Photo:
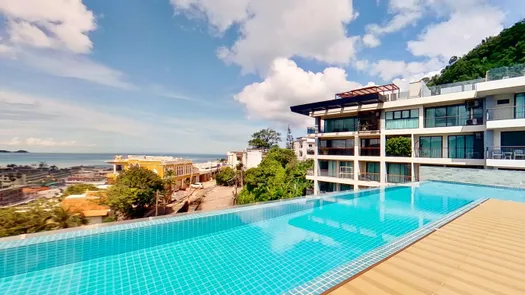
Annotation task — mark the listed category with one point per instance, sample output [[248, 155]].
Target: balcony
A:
[[506, 157], [311, 130], [506, 153], [310, 152], [367, 176], [506, 117], [449, 121], [329, 151], [450, 153], [370, 151]]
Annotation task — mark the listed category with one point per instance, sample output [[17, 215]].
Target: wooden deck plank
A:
[[481, 252]]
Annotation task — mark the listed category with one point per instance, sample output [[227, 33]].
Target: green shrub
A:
[[398, 147]]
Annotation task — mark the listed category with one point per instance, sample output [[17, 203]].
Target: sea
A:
[[64, 160]]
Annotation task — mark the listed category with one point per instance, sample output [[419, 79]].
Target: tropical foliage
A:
[[134, 192], [38, 217], [265, 139], [78, 189], [398, 147], [279, 176], [506, 49], [226, 177]]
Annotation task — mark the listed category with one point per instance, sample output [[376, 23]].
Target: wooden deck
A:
[[481, 252]]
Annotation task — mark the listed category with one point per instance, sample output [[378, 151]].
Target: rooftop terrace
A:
[[481, 252]]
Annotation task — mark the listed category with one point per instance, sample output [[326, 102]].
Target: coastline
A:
[[97, 160]]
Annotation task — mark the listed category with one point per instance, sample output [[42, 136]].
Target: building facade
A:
[[181, 170], [11, 195], [250, 158], [477, 124], [304, 147]]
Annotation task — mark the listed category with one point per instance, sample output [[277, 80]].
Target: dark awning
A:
[[305, 109]]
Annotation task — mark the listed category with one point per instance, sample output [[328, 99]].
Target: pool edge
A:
[[331, 280]]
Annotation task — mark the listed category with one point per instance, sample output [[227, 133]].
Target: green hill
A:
[[503, 50]]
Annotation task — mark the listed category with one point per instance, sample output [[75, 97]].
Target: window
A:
[[465, 146], [454, 115], [341, 125], [398, 173], [406, 119], [503, 101], [430, 147], [519, 105]]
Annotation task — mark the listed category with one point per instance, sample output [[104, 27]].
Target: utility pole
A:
[[157, 203]]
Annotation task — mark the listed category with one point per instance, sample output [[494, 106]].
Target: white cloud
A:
[[14, 141], [74, 66], [371, 41], [270, 29], [45, 142], [57, 24], [287, 85], [459, 34], [390, 69]]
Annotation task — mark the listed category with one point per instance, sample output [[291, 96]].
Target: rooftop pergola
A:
[[381, 89], [356, 97]]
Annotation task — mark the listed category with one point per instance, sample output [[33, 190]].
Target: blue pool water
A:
[[263, 249]]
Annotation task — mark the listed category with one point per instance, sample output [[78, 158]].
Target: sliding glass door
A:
[[431, 147], [519, 106], [465, 146]]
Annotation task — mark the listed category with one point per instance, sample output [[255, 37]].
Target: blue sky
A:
[[202, 75]]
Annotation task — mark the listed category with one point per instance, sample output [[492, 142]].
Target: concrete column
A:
[[412, 165], [114, 169], [421, 117], [357, 169], [445, 146], [382, 164], [316, 166]]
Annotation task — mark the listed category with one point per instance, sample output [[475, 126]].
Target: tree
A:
[[134, 192], [64, 218], [265, 139], [225, 177], [42, 164], [279, 176], [78, 189], [398, 147], [289, 139]]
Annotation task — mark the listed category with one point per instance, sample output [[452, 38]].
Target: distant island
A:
[[19, 151]]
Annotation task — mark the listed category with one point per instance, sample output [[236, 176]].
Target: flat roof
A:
[[356, 97], [481, 252]]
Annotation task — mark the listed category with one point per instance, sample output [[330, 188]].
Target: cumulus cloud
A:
[[285, 85], [371, 41], [56, 24], [390, 69], [269, 29], [459, 34]]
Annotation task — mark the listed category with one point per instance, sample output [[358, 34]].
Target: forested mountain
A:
[[505, 49]]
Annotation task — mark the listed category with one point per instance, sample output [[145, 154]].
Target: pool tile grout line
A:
[[342, 273]]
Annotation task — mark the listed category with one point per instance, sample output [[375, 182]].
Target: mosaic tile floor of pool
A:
[[267, 257]]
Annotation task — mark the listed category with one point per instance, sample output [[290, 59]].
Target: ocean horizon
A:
[[63, 160]]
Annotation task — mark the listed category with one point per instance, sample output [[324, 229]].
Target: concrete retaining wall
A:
[[476, 176]]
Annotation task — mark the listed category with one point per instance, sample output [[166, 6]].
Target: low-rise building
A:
[[88, 204], [181, 170], [304, 148], [250, 158], [11, 195]]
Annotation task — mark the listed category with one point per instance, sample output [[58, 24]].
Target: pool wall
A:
[[506, 178], [51, 250]]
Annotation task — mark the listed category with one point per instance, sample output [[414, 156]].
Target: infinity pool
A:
[[272, 248]]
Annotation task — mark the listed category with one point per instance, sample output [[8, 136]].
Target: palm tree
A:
[[64, 218], [42, 164], [53, 168]]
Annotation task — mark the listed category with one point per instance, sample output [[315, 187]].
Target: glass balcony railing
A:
[[451, 153], [448, 121], [506, 153], [369, 176], [506, 72], [370, 151], [336, 151], [311, 130], [506, 113], [402, 123], [393, 178]]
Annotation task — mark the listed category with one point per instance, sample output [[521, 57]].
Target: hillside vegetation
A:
[[503, 50]]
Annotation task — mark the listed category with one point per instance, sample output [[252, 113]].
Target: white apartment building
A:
[[250, 158], [479, 123], [304, 147]]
